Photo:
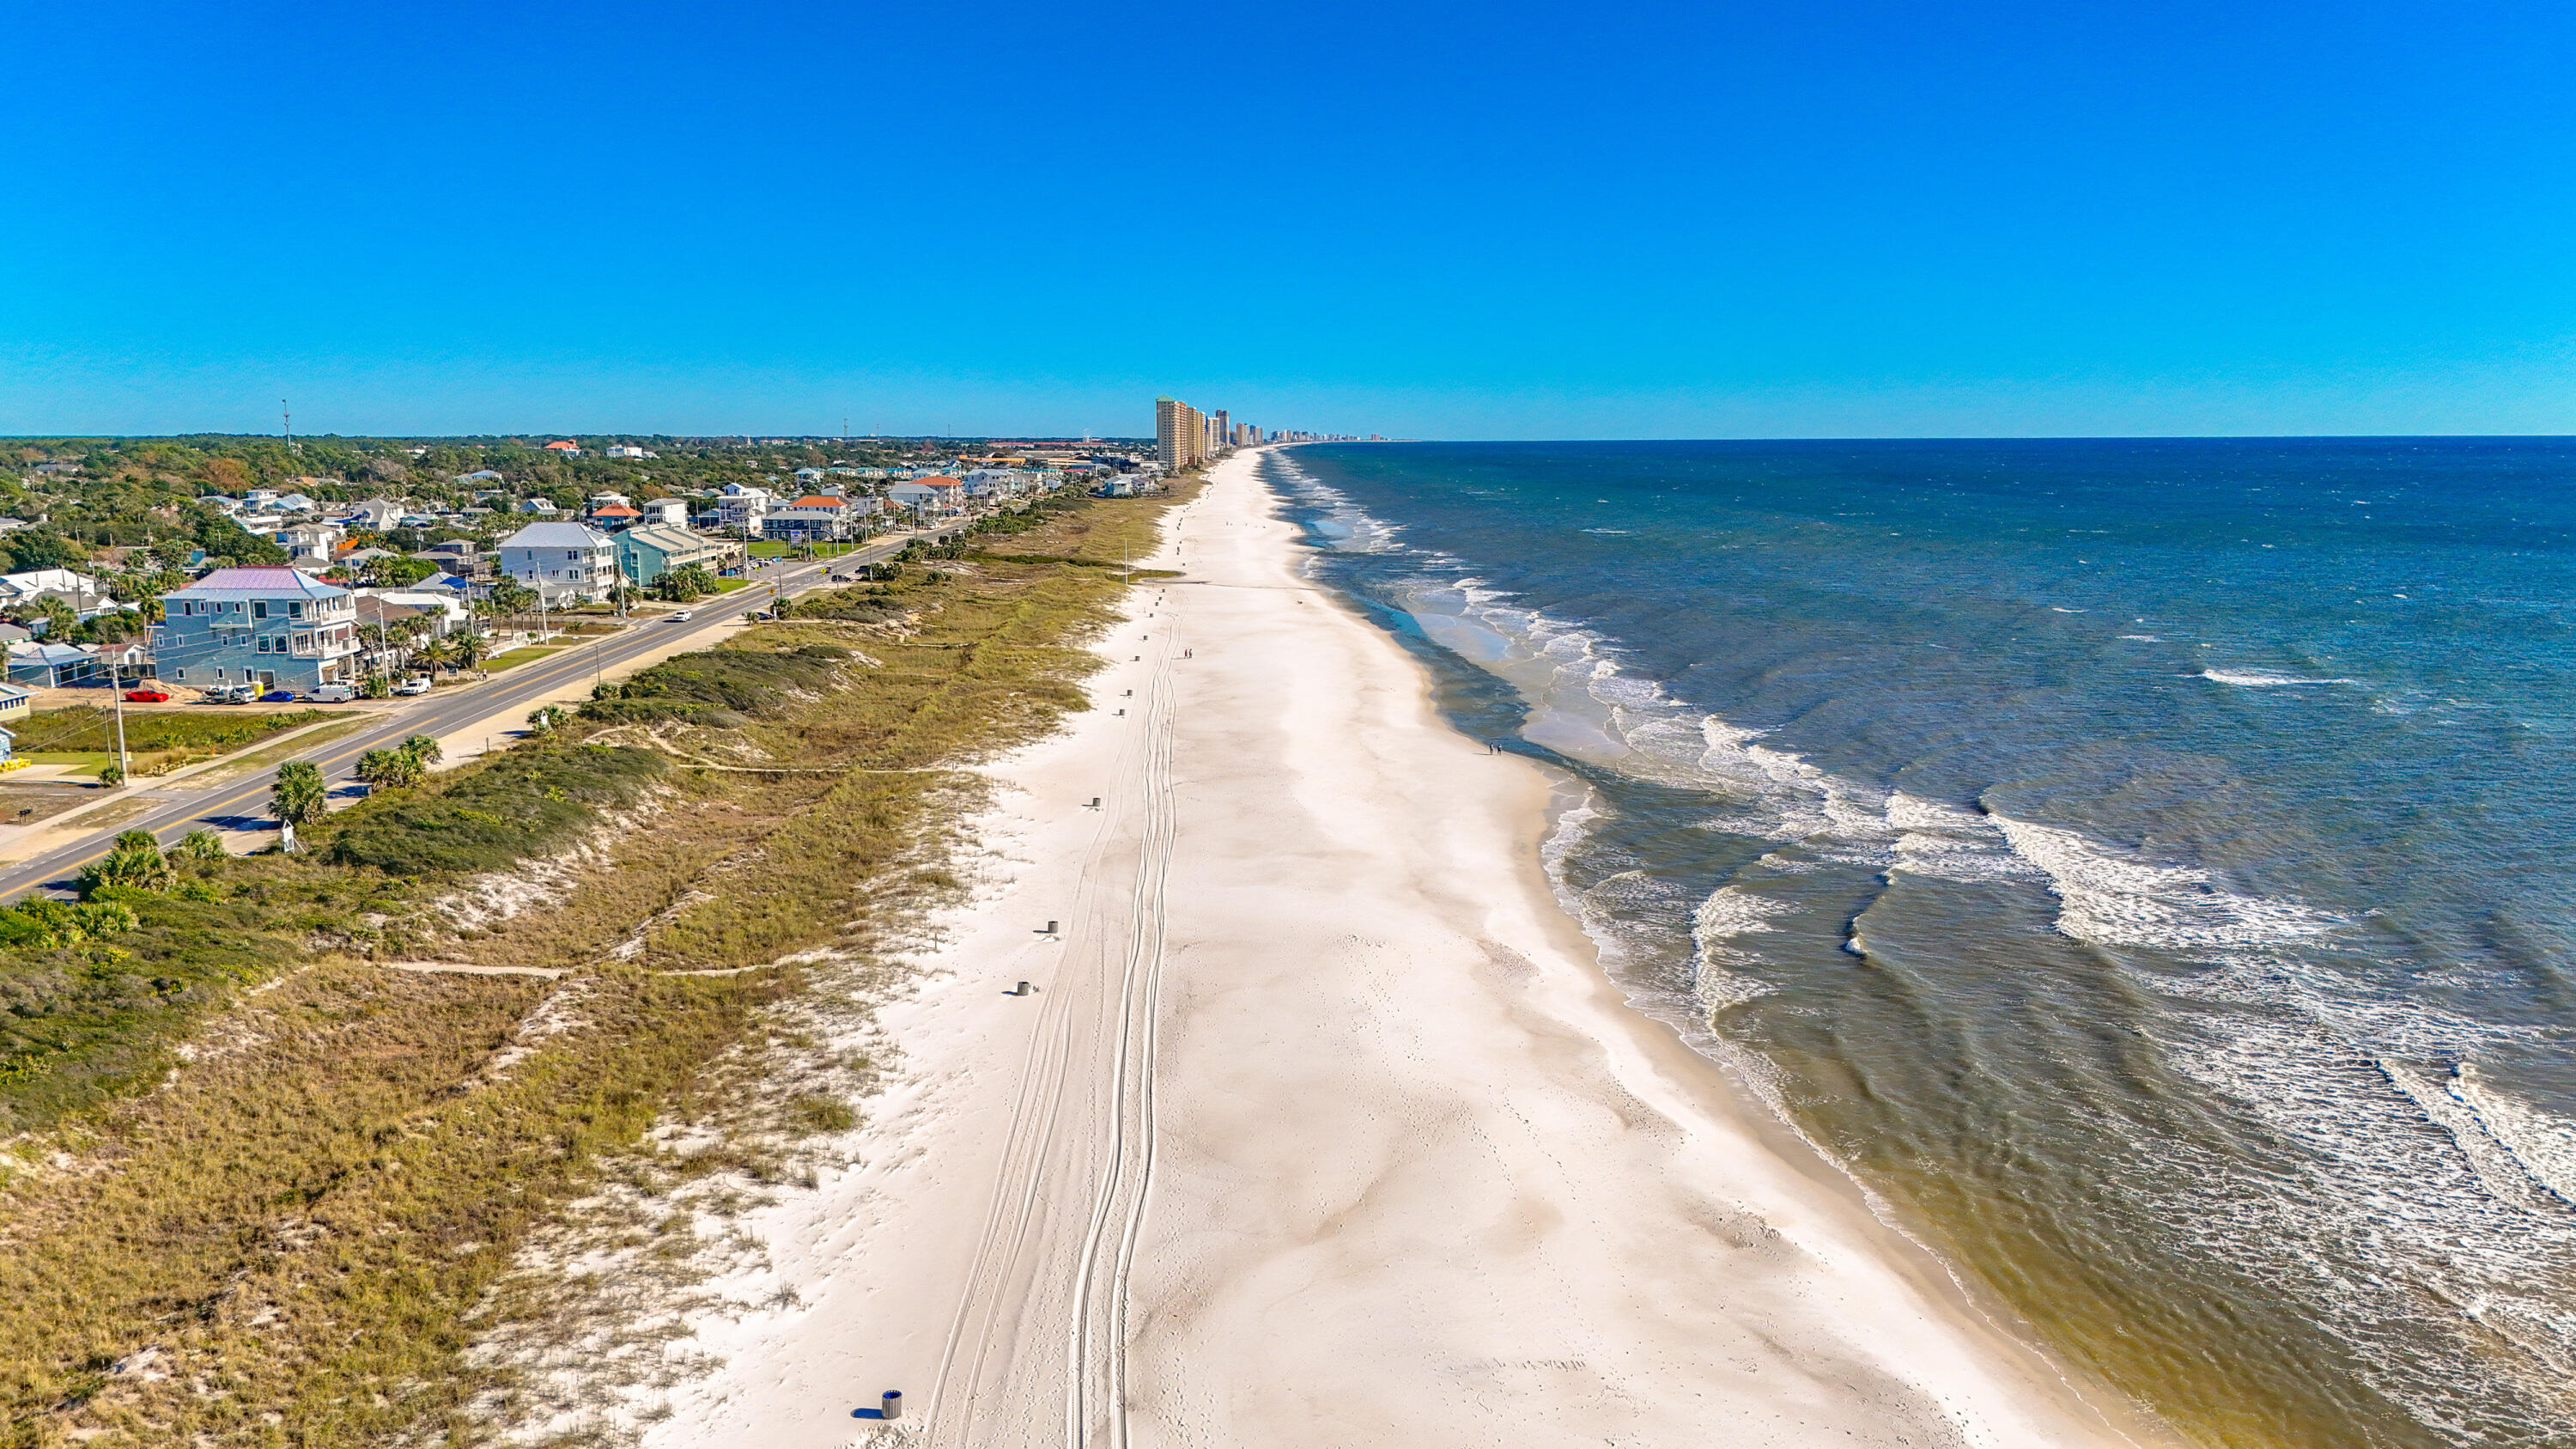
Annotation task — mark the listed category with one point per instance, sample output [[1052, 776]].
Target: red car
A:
[[146, 696]]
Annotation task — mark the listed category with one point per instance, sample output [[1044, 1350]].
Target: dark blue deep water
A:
[[2145, 866]]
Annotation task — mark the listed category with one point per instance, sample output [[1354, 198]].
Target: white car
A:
[[681, 617], [417, 684]]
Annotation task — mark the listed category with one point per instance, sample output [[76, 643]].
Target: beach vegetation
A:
[[296, 1238], [299, 796]]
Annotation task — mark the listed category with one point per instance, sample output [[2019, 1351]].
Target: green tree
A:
[[134, 861], [111, 774], [59, 617], [199, 847], [509, 596], [389, 768], [298, 796], [424, 749]]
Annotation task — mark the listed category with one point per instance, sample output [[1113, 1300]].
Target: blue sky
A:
[[1489, 220]]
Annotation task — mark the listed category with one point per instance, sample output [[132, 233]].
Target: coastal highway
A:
[[228, 805]]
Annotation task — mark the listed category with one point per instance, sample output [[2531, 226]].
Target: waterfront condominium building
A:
[[1180, 433]]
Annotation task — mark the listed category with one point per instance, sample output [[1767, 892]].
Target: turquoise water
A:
[[2144, 865]]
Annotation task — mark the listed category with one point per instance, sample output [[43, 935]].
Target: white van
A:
[[332, 694]]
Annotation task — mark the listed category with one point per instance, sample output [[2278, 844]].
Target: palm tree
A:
[[298, 796], [424, 750], [134, 861], [200, 846], [389, 768], [467, 649]]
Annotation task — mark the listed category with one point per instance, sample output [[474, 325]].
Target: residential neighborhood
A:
[[296, 565]]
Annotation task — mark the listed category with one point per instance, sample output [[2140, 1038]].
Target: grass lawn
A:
[[727, 586], [267, 755], [160, 740], [522, 656], [82, 762]]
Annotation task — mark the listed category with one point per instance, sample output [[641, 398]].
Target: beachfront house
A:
[[649, 550], [935, 494], [816, 518], [565, 555], [278, 628]]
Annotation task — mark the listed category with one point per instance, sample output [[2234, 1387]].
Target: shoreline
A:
[[1316, 1130]]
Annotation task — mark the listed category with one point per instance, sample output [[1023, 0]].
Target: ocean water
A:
[[2147, 867]]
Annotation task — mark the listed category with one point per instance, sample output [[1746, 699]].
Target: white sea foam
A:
[[2542, 1144], [2108, 899], [1722, 918], [2495, 1165], [2389, 1237], [2263, 678], [1948, 843], [2278, 1030]]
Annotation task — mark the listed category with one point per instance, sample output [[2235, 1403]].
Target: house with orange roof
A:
[[817, 517]]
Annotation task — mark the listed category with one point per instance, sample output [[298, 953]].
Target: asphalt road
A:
[[238, 804]]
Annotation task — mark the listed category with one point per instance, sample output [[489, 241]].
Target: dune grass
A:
[[291, 1241]]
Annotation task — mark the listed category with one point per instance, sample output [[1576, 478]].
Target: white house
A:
[[628, 450], [78, 590], [561, 556], [309, 542], [542, 507], [673, 511], [743, 508], [372, 515]]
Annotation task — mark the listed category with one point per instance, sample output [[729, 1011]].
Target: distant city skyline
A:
[[1998, 219]]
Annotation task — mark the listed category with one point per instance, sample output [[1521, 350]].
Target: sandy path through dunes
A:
[[1324, 1128]]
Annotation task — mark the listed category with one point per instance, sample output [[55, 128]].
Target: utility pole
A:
[[116, 686], [288, 419]]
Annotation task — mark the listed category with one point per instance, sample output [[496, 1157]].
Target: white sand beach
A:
[[1322, 1127]]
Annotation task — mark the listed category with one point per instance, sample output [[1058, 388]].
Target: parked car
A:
[[333, 694], [417, 684], [278, 696], [146, 696], [232, 694]]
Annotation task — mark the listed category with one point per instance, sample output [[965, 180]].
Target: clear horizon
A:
[[1995, 220]]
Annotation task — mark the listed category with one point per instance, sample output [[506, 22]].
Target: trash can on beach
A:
[[893, 1402]]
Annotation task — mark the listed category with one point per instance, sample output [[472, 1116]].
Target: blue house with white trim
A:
[[277, 628]]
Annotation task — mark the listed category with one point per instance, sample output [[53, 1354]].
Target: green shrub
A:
[[528, 802], [745, 682]]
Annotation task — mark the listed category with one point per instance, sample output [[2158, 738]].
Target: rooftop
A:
[[257, 583], [556, 535]]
